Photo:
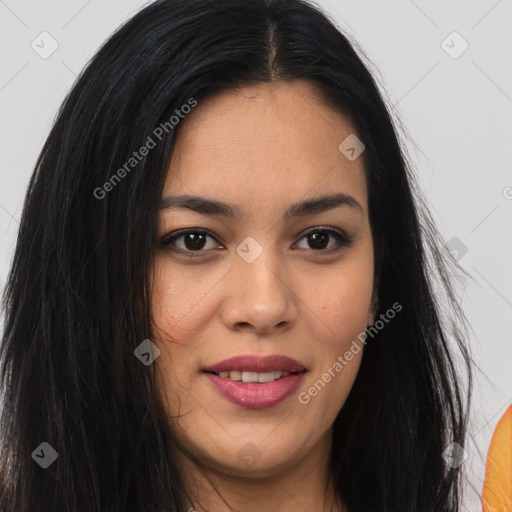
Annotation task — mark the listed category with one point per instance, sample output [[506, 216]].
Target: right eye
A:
[[190, 241]]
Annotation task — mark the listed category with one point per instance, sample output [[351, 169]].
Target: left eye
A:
[[319, 239], [194, 240]]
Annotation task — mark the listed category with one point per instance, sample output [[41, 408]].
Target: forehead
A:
[[275, 141]]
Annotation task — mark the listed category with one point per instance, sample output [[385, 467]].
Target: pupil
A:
[[196, 239], [322, 240]]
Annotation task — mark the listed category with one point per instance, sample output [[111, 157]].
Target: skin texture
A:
[[261, 148]]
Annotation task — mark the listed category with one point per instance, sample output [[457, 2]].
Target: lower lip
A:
[[254, 395]]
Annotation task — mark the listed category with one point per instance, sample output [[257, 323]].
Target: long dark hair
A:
[[77, 299]]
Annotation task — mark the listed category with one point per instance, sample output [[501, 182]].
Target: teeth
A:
[[268, 376], [253, 376]]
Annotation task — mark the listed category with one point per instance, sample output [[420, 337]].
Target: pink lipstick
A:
[[256, 382]]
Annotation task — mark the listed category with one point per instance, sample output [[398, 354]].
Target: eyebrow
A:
[[207, 206]]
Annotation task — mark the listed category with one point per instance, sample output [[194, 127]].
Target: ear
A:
[[374, 307], [372, 314]]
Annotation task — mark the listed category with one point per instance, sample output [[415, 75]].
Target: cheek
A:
[[338, 315], [169, 310], [172, 333], [174, 300], [343, 300]]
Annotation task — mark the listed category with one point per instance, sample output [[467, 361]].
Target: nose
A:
[[259, 296]]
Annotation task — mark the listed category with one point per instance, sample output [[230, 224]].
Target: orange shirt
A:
[[497, 490]]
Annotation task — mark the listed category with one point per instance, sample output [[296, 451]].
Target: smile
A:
[[255, 390], [261, 377]]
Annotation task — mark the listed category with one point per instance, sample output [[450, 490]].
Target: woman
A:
[[222, 295]]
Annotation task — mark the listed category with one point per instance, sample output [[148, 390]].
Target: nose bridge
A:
[[259, 293], [261, 267]]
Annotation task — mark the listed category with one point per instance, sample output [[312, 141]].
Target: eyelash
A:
[[343, 241]]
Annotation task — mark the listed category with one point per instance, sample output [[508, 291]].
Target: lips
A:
[[258, 364], [256, 395]]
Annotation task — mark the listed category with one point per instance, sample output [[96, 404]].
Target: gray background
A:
[[457, 111]]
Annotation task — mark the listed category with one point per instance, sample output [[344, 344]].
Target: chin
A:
[[255, 460]]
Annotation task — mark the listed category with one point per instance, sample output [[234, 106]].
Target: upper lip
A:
[[255, 363]]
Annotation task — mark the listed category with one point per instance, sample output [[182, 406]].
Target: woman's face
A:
[[261, 282]]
